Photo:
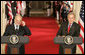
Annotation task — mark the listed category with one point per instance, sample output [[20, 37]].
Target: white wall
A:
[[76, 9], [3, 24]]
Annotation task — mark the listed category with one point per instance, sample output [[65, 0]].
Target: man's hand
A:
[[23, 23]]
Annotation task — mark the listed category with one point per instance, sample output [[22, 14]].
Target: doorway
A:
[[38, 8]]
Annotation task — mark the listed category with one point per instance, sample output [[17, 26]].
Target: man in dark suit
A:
[[18, 28], [69, 28]]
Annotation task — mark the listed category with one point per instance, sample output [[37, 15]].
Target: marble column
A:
[[3, 24]]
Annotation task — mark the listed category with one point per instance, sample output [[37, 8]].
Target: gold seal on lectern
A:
[[14, 39], [68, 40]]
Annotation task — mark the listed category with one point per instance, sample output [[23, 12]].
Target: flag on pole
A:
[[18, 7], [81, 23], [9, 12], [11, 1], [13, 8], [23, 6], [55, 2], [70, 3]]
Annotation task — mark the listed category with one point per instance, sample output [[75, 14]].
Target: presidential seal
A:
[[68, 40], [14, 39]]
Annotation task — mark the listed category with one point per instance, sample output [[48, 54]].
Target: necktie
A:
[[16, 27], [69, 27], [16, 30]]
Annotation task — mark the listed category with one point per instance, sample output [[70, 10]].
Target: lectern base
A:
[[14, 50], [67, 51]]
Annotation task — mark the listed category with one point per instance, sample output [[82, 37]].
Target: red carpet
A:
[[43, 31]]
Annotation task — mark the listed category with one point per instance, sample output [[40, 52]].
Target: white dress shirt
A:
[[16, 26], [70, 24]]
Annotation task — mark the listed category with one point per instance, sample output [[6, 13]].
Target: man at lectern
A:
[[69, 28], [17, 28]]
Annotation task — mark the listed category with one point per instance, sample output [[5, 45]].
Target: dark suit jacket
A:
[[74, 32], [23, 30]]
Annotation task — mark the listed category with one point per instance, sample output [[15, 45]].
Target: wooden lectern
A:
[[14, 42], [67, 47]]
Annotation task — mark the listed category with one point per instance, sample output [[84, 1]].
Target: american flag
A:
[[70, 3], [10, 12], [18, 9], [55, 2], [81, 22]]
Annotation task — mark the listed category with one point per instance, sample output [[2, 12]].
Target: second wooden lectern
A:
[[68, 43]]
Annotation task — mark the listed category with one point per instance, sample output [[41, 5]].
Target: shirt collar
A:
[[15, 26], [71, 24]]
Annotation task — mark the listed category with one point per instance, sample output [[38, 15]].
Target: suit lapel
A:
[[12, 30], [67, 29], [13, 27], [19, 28], [72, 29]]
